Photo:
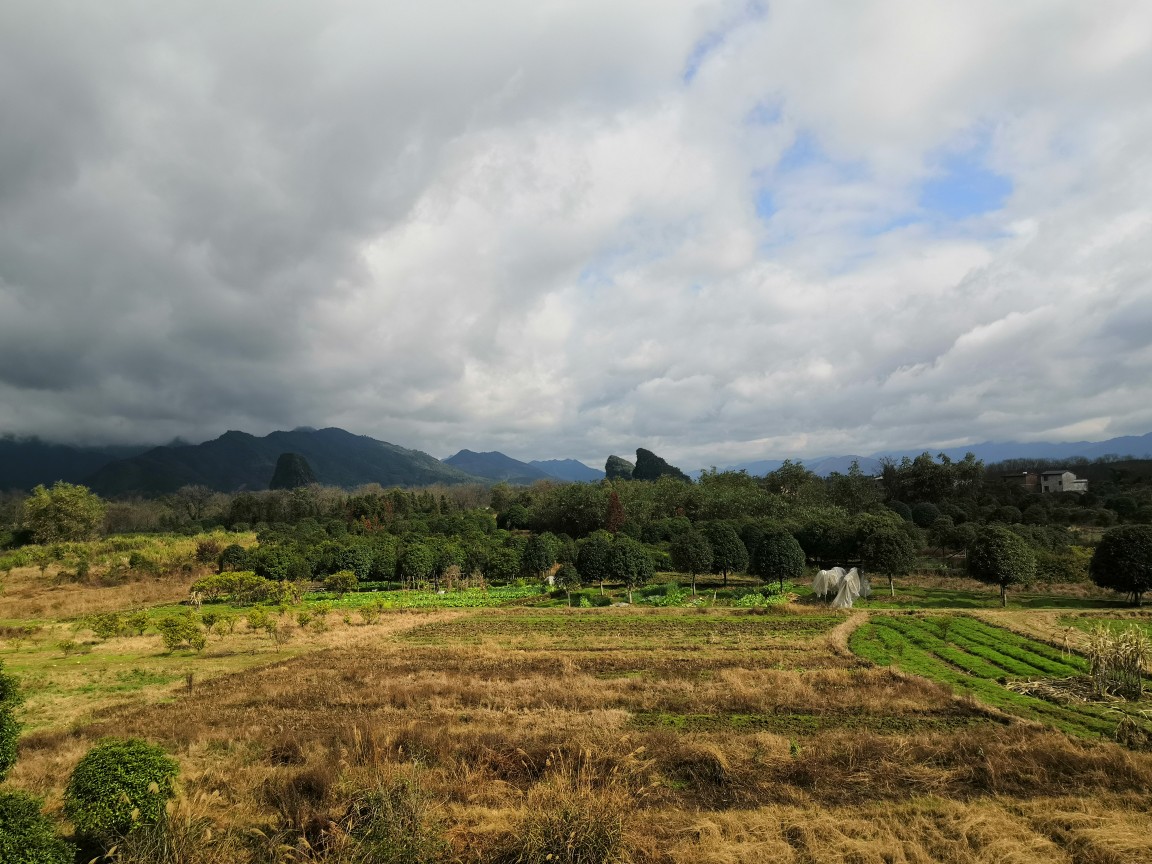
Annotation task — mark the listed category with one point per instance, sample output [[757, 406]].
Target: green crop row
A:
[[916, 647], [989, 634]]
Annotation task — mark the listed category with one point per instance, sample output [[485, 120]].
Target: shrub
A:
[[340, 583], [208, 551], [180, 631], [27, 836], [118, 785], [106, 625], [136, 623], [232, 557], [9, 726]]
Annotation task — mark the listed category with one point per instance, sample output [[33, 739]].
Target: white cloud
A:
[[533, 231]]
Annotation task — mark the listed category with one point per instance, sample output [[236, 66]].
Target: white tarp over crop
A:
[[843, 587]]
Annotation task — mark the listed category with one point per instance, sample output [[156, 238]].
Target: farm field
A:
[[788, 734]]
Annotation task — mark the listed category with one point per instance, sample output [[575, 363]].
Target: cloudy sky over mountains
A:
[[721, 230]]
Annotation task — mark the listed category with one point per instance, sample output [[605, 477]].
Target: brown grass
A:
[[518, 749]]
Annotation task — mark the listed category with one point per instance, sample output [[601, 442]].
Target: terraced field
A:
[[975, 657]]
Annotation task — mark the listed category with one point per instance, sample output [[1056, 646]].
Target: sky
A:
[[723, 230]]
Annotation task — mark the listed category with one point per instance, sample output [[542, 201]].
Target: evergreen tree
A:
[[999, 557], [1123, 561], [692, 554], [729, 554], [779, 557]]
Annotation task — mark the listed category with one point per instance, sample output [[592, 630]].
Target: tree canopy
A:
[[1123, 561], [64, 512], [999, 557], [778, 556]]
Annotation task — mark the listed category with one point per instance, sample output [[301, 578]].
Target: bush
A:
[[181, 631], [118, 785], [208, 551], [106, 625], [340, 583], [27, 836], [9, 725]]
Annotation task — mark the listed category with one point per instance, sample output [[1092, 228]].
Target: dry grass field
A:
[[657, 735]]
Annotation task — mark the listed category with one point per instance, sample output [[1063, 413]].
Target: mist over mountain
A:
[[28, 462]]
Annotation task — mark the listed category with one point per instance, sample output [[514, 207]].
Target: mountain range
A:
[[238, 460], [988, 452]]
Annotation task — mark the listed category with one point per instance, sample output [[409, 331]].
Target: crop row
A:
[[917, 646]]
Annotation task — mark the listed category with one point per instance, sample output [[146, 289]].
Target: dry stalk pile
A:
[[1119, 660]]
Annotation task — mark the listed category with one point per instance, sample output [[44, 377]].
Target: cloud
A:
[[717, 229]]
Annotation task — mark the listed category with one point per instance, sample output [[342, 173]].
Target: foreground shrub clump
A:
[[118, 785], [9, 725], [27, 836]]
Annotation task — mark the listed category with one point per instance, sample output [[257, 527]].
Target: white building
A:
[[1061, 481]]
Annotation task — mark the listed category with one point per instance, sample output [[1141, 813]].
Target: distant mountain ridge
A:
[[988, 452], [568, 469], [29, 462], [494, 465], [237, 460]]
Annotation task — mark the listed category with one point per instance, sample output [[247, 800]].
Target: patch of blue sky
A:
[[765, 204], [963, 187], [712, 41], [765, 114]]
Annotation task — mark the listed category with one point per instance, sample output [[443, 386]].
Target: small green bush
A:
[[9, 726], [118, 785], [27, 836], [106, 625], [340, 583], [181, 631], [136, 623]]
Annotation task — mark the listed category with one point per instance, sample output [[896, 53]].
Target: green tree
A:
[[778, 556], [999, 557], [117, 785], [629, 563], [592, 559], [536, 559], [854, 491], [501, 564], [692, 554], [1123, 561], [292, 472], [567, 578], [729, 554], [888, 551], [64, 512], [416, 564]]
